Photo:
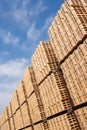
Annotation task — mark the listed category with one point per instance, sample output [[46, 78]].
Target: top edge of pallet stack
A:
[[76, 2], [68, 30]]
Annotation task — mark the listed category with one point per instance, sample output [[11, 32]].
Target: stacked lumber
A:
[[18, 119], [53, 92], [27, 80], [68, 28], [51, 86], [44, 60], [82, 117], [75, 73], [14, 102]]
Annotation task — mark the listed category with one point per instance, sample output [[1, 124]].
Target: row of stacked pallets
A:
[[53, 92]]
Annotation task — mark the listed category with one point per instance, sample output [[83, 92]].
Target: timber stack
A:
[[53, 92]]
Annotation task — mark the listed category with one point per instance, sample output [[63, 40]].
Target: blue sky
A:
[[23, 23]]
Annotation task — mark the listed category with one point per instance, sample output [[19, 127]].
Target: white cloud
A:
[[4, 53], [17, 12], [20, 15], [13, 68], [37, 9], [25, 3], [5, 98], [47, 23], [11, 72], [8, 86], [23, 13], [33, 33], [9, 38]]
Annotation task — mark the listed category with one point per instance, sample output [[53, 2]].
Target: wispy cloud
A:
[[20, 12], [21, 16], [17, 12], [47, 23], [23, 13], [11, 72], [37, 9], [5, 98], [32, 36], [13, 68], [9, 38], [33, 33], [4, 53], [25, 3]]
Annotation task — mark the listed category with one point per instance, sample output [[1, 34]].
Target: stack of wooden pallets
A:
[[53, 92], [69, 28]]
